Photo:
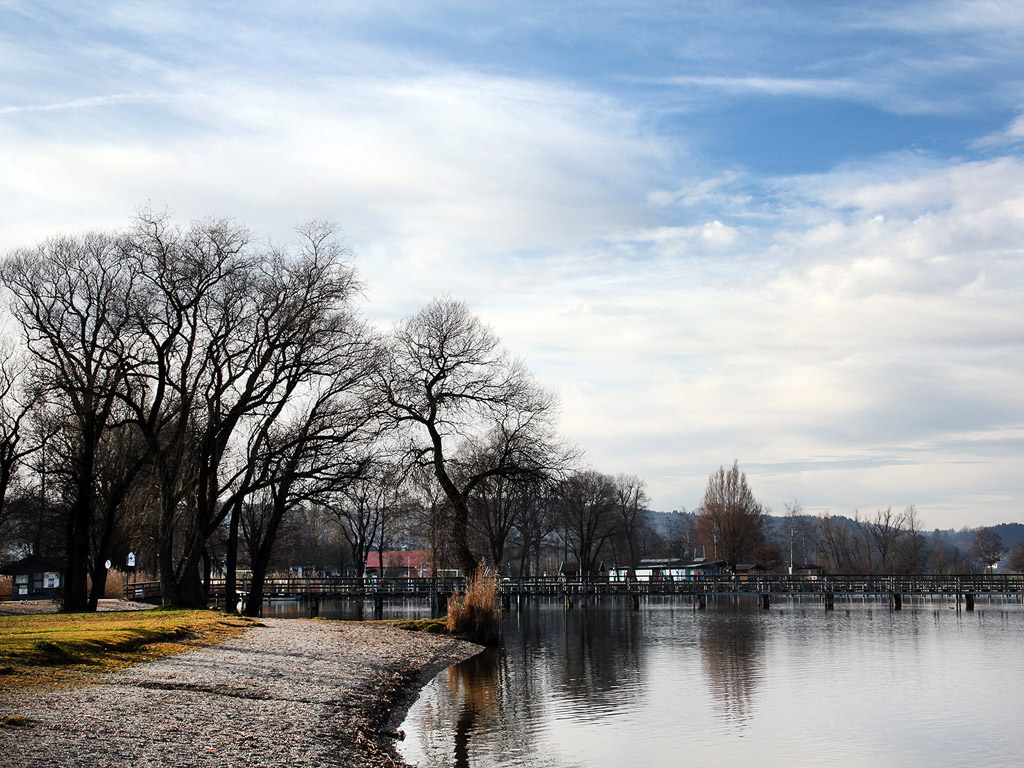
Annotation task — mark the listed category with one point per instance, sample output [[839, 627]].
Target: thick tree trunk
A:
[[231, 565], [460, 534], [183, 588], [76, 595]]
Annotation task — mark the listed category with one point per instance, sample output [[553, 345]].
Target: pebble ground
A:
[[294, 692]]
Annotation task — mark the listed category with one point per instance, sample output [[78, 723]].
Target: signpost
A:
[[131, 571]]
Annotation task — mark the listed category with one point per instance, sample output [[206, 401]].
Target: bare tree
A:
[[233, 335], [363, 506], [72, 297], [18, 397], [536, 526], [496, 508], [588, 509], [470, 411], [681, 540], [631, 501], [1015, 558], [886, 529], [987, 547], [834, 541], [730, 521], [912, 550], [945, 558]]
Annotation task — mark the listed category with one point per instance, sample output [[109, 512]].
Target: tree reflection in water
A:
[[731, 650], [605, 687], [473, 683], [589, 660]]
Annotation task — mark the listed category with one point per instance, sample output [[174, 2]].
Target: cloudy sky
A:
[[790, 234]]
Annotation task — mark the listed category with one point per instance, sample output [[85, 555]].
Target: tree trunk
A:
[[467, 560], [231, 565], [76, 595]]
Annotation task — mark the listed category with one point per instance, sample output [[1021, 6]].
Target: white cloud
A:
[[852, 337], [1012, 134]]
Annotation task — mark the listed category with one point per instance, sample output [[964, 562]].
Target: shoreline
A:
[[289, 692]]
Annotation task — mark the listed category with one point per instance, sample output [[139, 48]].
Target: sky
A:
[[788, 234]]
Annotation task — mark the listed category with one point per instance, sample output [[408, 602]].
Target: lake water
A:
[[734, 685]]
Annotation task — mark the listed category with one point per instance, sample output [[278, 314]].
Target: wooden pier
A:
[[964, 589]]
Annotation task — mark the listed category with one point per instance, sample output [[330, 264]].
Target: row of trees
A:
[[192, 393], [732, 525]]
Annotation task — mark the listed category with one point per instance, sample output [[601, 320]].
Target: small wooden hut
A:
[[36, 578]]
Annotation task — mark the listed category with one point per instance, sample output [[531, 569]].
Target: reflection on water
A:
[[344, 609], [730, 644], [603, 686]]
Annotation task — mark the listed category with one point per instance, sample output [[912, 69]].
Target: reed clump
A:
[[114, 586], [476, 614]]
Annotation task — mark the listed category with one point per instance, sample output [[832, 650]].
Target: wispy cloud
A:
[[93, 102], [1012, 135], [773, 86]]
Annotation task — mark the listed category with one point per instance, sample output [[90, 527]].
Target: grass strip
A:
[[54, 648]]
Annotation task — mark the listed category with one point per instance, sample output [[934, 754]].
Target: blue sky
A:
[[785, 233]]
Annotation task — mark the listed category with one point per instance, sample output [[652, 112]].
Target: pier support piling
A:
[[438, 604], [830, 601], [700, 602], [969, 600], [897, 601], [766, 601]]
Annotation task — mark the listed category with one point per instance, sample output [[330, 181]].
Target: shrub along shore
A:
[[274, 692]]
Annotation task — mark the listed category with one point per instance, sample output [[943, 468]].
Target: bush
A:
[[475, 614]]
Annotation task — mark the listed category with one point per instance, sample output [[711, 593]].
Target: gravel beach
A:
[[293, 692]]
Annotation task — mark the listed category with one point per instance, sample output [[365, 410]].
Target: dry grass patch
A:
[[475, 614], [54, 648], [430, 626]]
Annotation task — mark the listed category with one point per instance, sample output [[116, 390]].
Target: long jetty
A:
[[963, 588]]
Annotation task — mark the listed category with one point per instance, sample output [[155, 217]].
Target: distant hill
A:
[[1010, 533]]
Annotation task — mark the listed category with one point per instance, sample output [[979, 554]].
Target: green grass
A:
[[430, 626], [51, 648]]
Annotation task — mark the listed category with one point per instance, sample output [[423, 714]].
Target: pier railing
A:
[[846, 584]]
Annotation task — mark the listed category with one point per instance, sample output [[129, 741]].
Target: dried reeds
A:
[[114, 586], [475, 614]]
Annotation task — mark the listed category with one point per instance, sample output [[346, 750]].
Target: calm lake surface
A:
[[733, 685]]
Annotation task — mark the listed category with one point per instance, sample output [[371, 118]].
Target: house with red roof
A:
[[400, 564]]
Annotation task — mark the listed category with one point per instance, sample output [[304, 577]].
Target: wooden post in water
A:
[[506, 603], [897, 601], [378, 606], [969, 599], [830, 601], [634, 601], [766, 601], [700, 601], [438, 604]]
